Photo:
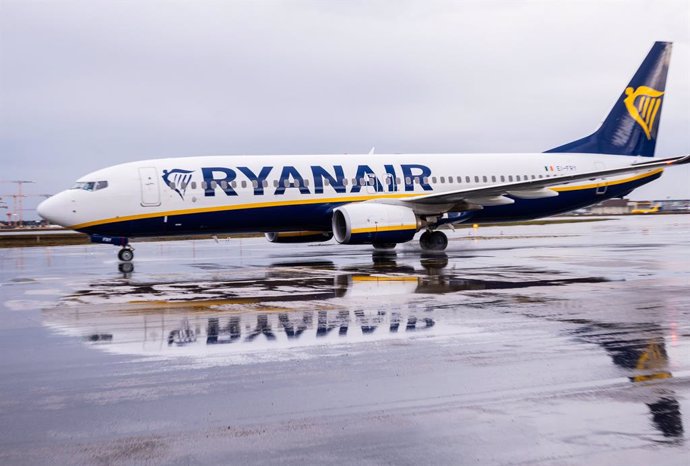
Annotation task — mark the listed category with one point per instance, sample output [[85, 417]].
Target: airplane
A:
[[375, 199]]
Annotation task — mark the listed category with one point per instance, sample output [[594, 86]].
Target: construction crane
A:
[[17, 201]]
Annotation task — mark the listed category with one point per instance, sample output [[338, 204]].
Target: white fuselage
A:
[[175, 191]]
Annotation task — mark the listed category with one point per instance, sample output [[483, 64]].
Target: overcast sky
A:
[[88, 84]]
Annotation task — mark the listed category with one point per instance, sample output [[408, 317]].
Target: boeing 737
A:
[[372, 199]]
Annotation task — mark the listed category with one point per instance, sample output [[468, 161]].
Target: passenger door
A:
[[150, 190]]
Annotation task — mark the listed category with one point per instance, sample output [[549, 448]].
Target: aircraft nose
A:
[[53, 210]]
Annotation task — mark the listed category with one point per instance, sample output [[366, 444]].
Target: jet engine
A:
[[298, 236], [370, 223]]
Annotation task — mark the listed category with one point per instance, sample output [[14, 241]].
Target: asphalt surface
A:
[[554, 344]]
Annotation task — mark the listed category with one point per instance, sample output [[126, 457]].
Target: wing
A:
[[497, 194]]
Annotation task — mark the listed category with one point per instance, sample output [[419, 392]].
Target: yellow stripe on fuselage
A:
[[256, 205], [607, 183], [344, 199]]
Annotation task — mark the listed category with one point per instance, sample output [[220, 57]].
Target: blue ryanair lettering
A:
[[257, 180], [337, 181], [290, 178], [208, 174], [364, 172], [423, 172]]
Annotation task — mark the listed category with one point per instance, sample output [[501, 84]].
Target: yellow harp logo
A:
[[643, 104]]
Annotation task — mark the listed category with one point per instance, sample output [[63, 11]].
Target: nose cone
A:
[[54, 210]]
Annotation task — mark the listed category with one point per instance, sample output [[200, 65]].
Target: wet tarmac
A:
[[542, 344]]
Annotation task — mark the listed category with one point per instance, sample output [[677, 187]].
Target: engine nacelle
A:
[[368, 223], [298, 236]]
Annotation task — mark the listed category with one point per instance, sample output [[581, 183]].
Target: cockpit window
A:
[[90, 185]]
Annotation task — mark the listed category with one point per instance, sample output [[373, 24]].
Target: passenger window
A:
[[510, 178], [345, 182], [408, 180], [468, 179], [255, 184], [459, 179], [296, 184], [534, 177], [264, 183], [233, 184], [426, 180], [493, 178], [193, 184], [443, 179], [172, 185], [397, 180], [306, 182], [517, 178], [540, 177], [326, 181], [484, 178], [503, 179], [203, 185], [214, 185], [244, 184], [275, 183], [224, 184]]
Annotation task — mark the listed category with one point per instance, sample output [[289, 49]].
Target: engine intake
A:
[[368, 223]]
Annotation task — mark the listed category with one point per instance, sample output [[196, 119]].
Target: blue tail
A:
[[632, 125]]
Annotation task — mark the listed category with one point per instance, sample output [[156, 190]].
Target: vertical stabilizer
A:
[[633, 123]]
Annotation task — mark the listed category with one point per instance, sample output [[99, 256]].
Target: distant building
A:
[[612, 207], [625, 206]]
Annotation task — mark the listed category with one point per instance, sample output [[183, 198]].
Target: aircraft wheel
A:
[[125, 255], [385, 245], [424, 240], [438, 240], [433, 241]]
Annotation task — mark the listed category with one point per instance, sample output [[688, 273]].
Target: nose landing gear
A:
[[126, 253], [433, 241]]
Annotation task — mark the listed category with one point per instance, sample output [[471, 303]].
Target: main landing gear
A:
[[433, 241]]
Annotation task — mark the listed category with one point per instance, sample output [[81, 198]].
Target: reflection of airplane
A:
[[251, 311], [643, 356], [366, 199]]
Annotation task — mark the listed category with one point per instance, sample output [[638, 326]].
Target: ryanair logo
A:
[[643, 104], [177, 180]]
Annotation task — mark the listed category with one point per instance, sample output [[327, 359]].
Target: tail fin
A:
[[632, 125]]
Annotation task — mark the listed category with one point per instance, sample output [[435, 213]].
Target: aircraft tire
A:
[[125, 255], [433, 241], [439, 241], [424, 241]]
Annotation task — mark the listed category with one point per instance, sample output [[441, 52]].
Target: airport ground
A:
[[556, 343]]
